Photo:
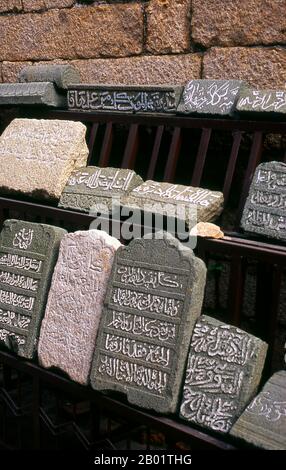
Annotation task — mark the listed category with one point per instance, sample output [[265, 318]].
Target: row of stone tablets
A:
[[198, 97], [125, 319]]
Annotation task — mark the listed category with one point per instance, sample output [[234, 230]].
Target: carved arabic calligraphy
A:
[[23, 239], [258, 100], [99, 179], [200, 95], [264, 405]]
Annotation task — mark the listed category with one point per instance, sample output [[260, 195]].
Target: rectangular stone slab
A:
[[75, 302], [154, 297], [126, 99], [92, 186], [210, 97], [61, 75], [223, 372], [265, 208], [43, 93], [168, 198], [38, 156], [263, 423], [269, 103], [28, 253]]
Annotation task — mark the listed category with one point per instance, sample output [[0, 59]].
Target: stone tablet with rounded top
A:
[[75, 302], [223, 372], [92, 187], [38, 156], [154, 297], [265, 208], [28, 253], [263, 423]]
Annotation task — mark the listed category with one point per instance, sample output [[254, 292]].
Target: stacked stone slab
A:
[[126, 99], [154, 297], [95, 189], [75, 302], [38, 156], [210, 97], [62, 76], [223, 372], [265, 208], [264, 103], [28, 253], [173, 200], [263, 423], [31, 94]]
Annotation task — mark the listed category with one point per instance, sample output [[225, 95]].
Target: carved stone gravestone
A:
[[43, 93], [92, 187], [28, 253], [38, 156], [184, 202], [263, 423], [267, 102], [265, 208], [75, 302], [123, 98], [210, 97], [154, 297], [61, 75], [223, 372]]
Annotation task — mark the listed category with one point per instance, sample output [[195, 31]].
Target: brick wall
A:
[[154, 41]]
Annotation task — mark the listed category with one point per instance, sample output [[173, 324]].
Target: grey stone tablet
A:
[[61, 75], [265, 208], [262, 102], [263, 423], [28, 253], [223, 372], [43, 93], [154, 297], [119, 98]]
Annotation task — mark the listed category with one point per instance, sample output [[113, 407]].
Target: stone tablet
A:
[[75, 302], [154, 297], [265, 208], [28, 253], [92, 186], [210, 97], [177, 200], [119, 98], [61, 75], [38, 156], [31, 94], [267, 102], [263, 423], [223, 373]]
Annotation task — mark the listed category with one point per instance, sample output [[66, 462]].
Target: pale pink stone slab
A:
[[75, 302]]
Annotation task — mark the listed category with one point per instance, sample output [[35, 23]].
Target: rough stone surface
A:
[[168, 26], [75, 302], [260, 67], [61, 75], [130, 99], [43, 93], [210, 97], [238, 22], [205, 229], [223, 373], [269, 103], [263, 423], [38, 156], [28, 253], [10, 6], [95, 31], [36, 5], [265, 208], [93, 187], [154, 296], [200, 205], [144, 70], [11, 71]]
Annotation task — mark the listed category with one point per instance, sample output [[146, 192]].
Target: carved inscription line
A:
[[19, 281], [16, 300], [6, 336], [268, 220], [270, 179], [99, 179], [265, 405], [264, 101], [148, 278], [21, 262], [198, 97]]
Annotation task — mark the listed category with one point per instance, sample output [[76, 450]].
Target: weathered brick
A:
[[10, 5], [36, 5], [239, 22], [95, 31], [143, 70], [260, 67], [168, 26]]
